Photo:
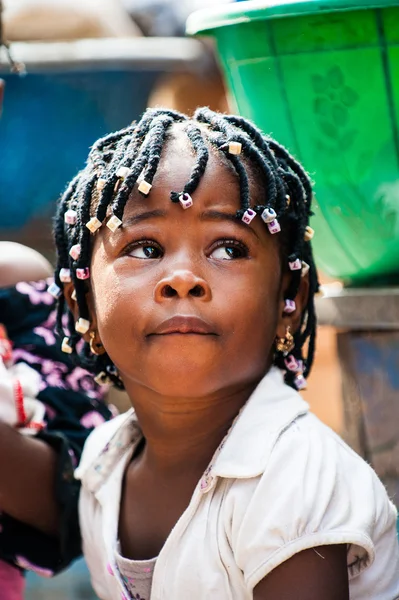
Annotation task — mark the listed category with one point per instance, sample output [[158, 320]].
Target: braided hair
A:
[[117, 163]]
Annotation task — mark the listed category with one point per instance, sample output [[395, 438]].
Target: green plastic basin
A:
[[322, 77]]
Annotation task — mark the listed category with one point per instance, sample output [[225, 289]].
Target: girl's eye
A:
[[145, 250], [229, 250]]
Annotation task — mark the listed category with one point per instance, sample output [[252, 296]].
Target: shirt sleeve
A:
[[316, 491]]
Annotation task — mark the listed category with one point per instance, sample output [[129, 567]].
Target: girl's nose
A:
[[182, 284]]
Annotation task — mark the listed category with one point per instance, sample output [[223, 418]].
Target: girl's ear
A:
[[73, 307], [292, 319]]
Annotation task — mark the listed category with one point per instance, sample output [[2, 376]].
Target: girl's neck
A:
[[182, 434]]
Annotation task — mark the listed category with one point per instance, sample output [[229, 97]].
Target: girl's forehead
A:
[[219, 184]]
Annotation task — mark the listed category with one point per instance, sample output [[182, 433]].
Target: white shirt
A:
[[281, 482]]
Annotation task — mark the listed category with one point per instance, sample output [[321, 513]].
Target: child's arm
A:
[[309, 575], [27, 480], [20, 263]]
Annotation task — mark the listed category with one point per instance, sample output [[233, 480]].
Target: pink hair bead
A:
[[274, 226], [75, 251], [293, 364], [185, 200], [83, 273], [300, 382], [248, 216], [268, 215], [295, 265], [289, 307], [70, 217], [65, 275]]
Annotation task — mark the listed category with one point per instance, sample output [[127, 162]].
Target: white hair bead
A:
[[185, 200], [65, 275], [54, 290], [101, 184], [113, 223], [235, 148], [268, 215], [75, 251], [144, 187], [70, 217], [65, 347], [274, 226], [295, 265], [82, 325], [123, 172], [248, 216], [93, 224]]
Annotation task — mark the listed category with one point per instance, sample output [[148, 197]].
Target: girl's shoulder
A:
[[105, 442]]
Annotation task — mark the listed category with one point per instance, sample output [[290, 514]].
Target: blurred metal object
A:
[[164, 54], [16, 67], [359, 309], [74, 93]]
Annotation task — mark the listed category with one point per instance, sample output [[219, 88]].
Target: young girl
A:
[[185, 260]]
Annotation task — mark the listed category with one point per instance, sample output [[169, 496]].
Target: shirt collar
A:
[[243, 453], [270, 409]]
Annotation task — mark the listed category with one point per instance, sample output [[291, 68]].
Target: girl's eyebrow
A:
[[150, 214], [216, 215], [206, 215]]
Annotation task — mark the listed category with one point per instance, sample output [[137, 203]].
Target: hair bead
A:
[[94, 224], [113, 223], [289, 306], [102, 379], [73, 295], [70, 217], [66, 347], [268, 215], [300, 382], [274, 227], [309, 234], [82, 325], [235, 148], [293, 364], [122, 172], [305, 269], [54, 290], [185, 200], [248, 216], [74, 252], [295, 264], [65, 275], [144, 187], [83, 273], [101, 183]]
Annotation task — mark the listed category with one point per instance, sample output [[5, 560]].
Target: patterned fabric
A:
[[74, 406], [137, 575]]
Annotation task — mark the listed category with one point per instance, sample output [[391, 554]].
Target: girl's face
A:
[[188, 302]]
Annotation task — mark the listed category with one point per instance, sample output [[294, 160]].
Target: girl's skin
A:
[[223, 284]]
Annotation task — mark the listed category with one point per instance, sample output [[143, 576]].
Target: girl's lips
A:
[[184, 324]]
